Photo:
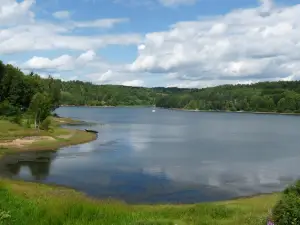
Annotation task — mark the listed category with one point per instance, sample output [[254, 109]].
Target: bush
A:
[[287, 210], [6, 109], [16, 119], [45, 125], [55, 115]]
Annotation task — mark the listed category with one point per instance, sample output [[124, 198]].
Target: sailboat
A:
[[154, 106]]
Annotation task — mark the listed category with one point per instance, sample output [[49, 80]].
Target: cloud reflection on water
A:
[[180, 156]]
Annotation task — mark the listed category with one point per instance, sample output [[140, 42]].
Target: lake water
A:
[[170, 156]]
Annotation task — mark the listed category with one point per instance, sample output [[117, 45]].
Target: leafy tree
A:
[[7, 109], [45, 125], [2, 74], [40, 108]]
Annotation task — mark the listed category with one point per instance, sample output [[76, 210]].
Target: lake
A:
[[169, 156]]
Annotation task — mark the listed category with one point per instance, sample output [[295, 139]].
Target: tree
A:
[[192, 105], [54, 91], [40, 108], [2, 74]]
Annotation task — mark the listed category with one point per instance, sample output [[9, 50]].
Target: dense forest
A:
[[281, 96], [27, 97], [21, 93]]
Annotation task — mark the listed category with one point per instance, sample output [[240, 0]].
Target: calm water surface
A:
[[170, 156]]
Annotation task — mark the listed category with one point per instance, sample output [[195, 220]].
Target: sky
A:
[[182, 43]]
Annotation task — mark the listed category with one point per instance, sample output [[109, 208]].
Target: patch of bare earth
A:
[[21, 142], [67, 136]]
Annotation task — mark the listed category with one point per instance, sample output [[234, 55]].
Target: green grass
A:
[[10, 131], [34, 204], [62, 120], [62, 137]]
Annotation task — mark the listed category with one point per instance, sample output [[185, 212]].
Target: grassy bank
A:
[[14, 137], [35, 204]]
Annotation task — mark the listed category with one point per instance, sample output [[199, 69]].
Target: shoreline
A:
[[45, 140], [108, 106], [187, 110], [224, 111]]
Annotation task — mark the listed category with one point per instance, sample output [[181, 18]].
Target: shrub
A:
[[6, 109], [16, 119], [45, 125], [55, 115], [287, 210]]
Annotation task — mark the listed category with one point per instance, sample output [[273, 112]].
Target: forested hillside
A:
[[83, 93], [18, 91], [80, 93], [262, 97]]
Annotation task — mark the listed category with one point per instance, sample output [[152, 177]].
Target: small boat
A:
[[91, 131]]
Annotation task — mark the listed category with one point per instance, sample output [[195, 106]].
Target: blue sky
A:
[[184, 43]]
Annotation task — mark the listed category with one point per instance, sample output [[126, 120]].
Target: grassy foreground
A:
[[34, 204], [14, 137]]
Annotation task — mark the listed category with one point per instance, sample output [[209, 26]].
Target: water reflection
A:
[[125, 183], [170, 156], [38, 164]]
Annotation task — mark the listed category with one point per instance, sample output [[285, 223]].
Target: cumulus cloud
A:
[[61, 63], [22, 32], [241, 46], [134, 83], [15, 12], [114, 74], [48, 36]]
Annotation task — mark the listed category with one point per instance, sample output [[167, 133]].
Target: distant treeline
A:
[[281, 96], [18, 90]]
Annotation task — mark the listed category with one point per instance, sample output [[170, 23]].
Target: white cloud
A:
[[14, 12], [22, 32], [61, 63], [46, 36], [134, 83], [114, 74], [104, 77], [87, 56], [243, 45], [62, 14]]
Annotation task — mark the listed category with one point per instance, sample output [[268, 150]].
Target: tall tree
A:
[[40, 108]]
